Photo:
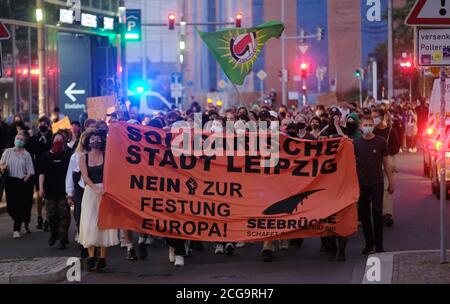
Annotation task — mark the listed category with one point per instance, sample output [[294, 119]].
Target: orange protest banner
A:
[[311, 192], [61, 125]]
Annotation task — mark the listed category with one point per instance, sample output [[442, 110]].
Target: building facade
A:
[[81, 56], [354, 30]]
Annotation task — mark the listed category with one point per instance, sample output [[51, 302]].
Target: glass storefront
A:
[[19, 84]]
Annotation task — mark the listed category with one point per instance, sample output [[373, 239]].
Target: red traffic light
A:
[[172, 21], [304, 70], [238, 20]]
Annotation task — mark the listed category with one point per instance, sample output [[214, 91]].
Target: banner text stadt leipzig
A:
[[311, 192]]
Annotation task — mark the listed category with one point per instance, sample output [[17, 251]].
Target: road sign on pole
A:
[[4, 33], [429, 13], [432, 47], [431, 51], [303, 48], [133, 31]]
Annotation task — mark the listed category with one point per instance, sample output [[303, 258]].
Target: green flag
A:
[[237, 49]]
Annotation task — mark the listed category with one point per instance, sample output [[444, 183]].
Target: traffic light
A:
[[359, 73], [320, 34], [304, 89], [407, 66], [238, 20], [304, 68], [172, 21]]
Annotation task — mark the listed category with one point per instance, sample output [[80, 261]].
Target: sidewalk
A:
[[33, 270], [411, 267]]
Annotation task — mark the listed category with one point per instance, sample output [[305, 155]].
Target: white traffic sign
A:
[[70, 92], [429, 13], [176, 90], [303, 48], [433, 47], [261, 75]]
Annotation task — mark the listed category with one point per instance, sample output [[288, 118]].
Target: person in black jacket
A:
[[40, 144], [52, 187]]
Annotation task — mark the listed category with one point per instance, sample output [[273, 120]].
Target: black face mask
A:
[[301, 125], [43, 129], [351, 126], [315, 126]]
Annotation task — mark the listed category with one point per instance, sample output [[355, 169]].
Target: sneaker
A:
[[27, 229], [171, 255], [91, 264], [16, 235], [267, 255], [51, 242], [388, 221], [149, 241], [229, 248], [179, 261], [367, 250], [284, 245], [131, 255], [219, 249], [142, 251], [84, 253], [46, 227], [240, 244], [101, 265], [40, 223]]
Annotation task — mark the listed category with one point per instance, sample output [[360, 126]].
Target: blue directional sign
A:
[[133, 32]]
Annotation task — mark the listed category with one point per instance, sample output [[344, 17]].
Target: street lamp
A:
[[39, 15]]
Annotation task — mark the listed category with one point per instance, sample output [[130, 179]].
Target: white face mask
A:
[[377, 121], [216, 128], [367, 130]]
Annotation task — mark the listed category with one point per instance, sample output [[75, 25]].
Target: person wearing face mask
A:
[[352, 126], [17, 164], [390, 135], [40, 143], [314, 125], [300, 123], [18, 126], [91, 166], [333, 129], [75, 130], [52, 176], [371, 154]]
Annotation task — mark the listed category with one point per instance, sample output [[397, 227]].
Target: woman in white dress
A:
[[91, 167]]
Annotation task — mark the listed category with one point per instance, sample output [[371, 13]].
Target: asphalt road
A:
[[416, 228]]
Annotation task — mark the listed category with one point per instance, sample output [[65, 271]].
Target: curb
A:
[[46, 275], [387, 265]]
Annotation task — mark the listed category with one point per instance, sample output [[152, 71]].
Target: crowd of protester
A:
[[65, 169]]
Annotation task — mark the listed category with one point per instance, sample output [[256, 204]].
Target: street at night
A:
[[227, 149]]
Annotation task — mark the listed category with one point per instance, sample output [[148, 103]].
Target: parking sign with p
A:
[[134, 25]]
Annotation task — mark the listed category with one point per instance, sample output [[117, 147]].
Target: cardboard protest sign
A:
[[61, 125], [327, 99], [98, 107], [311, 192]]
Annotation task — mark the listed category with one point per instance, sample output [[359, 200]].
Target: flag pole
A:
[[238, 94]]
